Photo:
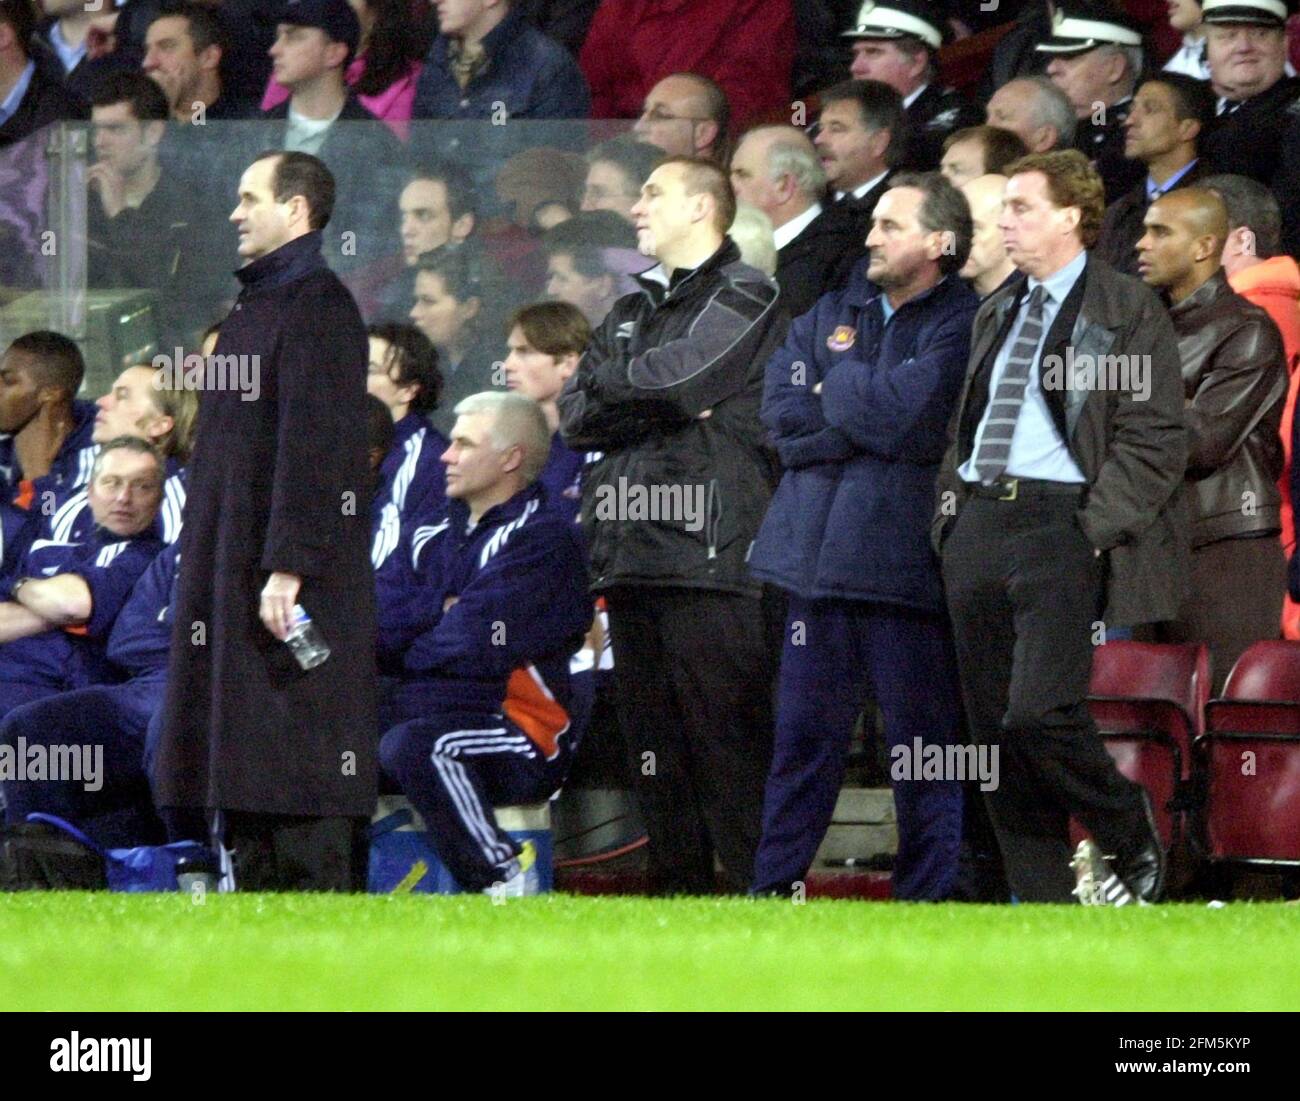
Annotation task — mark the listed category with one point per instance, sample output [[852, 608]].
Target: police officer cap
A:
[[1080, 26], [1260, 13], [896, 19]]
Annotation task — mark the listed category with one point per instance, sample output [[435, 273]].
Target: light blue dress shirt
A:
[[1037, 450], [16, 93], [69, 56]]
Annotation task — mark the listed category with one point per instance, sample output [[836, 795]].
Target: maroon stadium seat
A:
[[1251, 755], [1148, 701]]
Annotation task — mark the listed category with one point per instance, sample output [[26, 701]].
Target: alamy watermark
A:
[[78, 764], [1127, 374], [239, 374], [920, 761], [670, 504]]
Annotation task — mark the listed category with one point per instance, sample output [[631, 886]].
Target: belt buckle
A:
[[1014, 488]]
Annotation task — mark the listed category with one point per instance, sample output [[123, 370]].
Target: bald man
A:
[[778, 170], [1235, 381], [1036, 111], [686, 115], [988, 269]]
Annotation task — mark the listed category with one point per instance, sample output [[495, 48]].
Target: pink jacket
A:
[[392, 105]]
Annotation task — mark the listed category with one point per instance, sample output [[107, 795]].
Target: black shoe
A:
[[1142, 866]]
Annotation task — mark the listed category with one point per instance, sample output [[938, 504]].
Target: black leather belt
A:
[[1013, 489]]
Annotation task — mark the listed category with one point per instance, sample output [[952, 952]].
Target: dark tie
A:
[[1004, 410]]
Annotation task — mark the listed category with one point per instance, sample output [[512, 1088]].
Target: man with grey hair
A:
[[1036, 110], [497, 606], [778, 170], [1095, 59]]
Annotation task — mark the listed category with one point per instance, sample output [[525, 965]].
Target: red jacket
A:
[[747, 46], [1274, 285]]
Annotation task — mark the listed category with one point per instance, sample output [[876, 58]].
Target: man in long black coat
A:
[[276, 516]]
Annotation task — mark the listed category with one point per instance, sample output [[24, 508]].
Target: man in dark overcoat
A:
[[277, 516]]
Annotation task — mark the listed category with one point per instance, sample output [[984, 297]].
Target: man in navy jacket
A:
[[498, 606], [857, 403]]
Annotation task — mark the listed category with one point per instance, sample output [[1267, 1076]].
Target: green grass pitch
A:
[[129, 952]]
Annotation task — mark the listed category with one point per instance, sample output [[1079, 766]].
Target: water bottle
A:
[[305, 640]]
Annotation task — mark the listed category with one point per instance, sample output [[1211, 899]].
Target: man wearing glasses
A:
[[686, 115]]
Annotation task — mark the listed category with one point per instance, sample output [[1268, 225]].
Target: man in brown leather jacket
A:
[[1235, 381]]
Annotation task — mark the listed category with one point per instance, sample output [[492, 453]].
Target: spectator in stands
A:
[[541, 187], [1246, 48], [1190, 58], [1235, 381], [1164, 129], [1038, 527], [846, 536], [315, 40], [45, 430], [692, 665], [487, 55], [438, 210], [383, 73], [686, 115], [62, 604], [744, 48], [1036, 111], [776, 168], [586, 261], [897, 42], [1257, 270], [277, 522], [143, 228], [498, 606], [988, 268], [183, 48], [544, 344], [616, 169], [859, 135], [29, 99], [1096, 59], [404, 375], [116, 810], [64, 34], [979, 151], [450, 311]]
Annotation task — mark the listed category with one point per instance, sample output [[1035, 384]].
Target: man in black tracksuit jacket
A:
[[669, 389]]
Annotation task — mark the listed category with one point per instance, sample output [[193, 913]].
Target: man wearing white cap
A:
[[1246, 47], [1095, 57], [896, 42]]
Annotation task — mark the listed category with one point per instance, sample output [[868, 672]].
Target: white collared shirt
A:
[[858, 192], [912, 97], [788, 231]]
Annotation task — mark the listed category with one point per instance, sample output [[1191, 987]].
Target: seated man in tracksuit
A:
[[498, 605], [135, 405], [404, 375], [66, 596], [111, 717], [45, 430]]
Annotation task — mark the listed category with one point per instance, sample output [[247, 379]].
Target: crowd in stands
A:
[[762, 249]]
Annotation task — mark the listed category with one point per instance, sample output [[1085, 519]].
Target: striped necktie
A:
[[1004, 410]]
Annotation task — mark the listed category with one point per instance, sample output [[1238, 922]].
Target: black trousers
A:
[[281, 852], [693, 677], [1025, 593]]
